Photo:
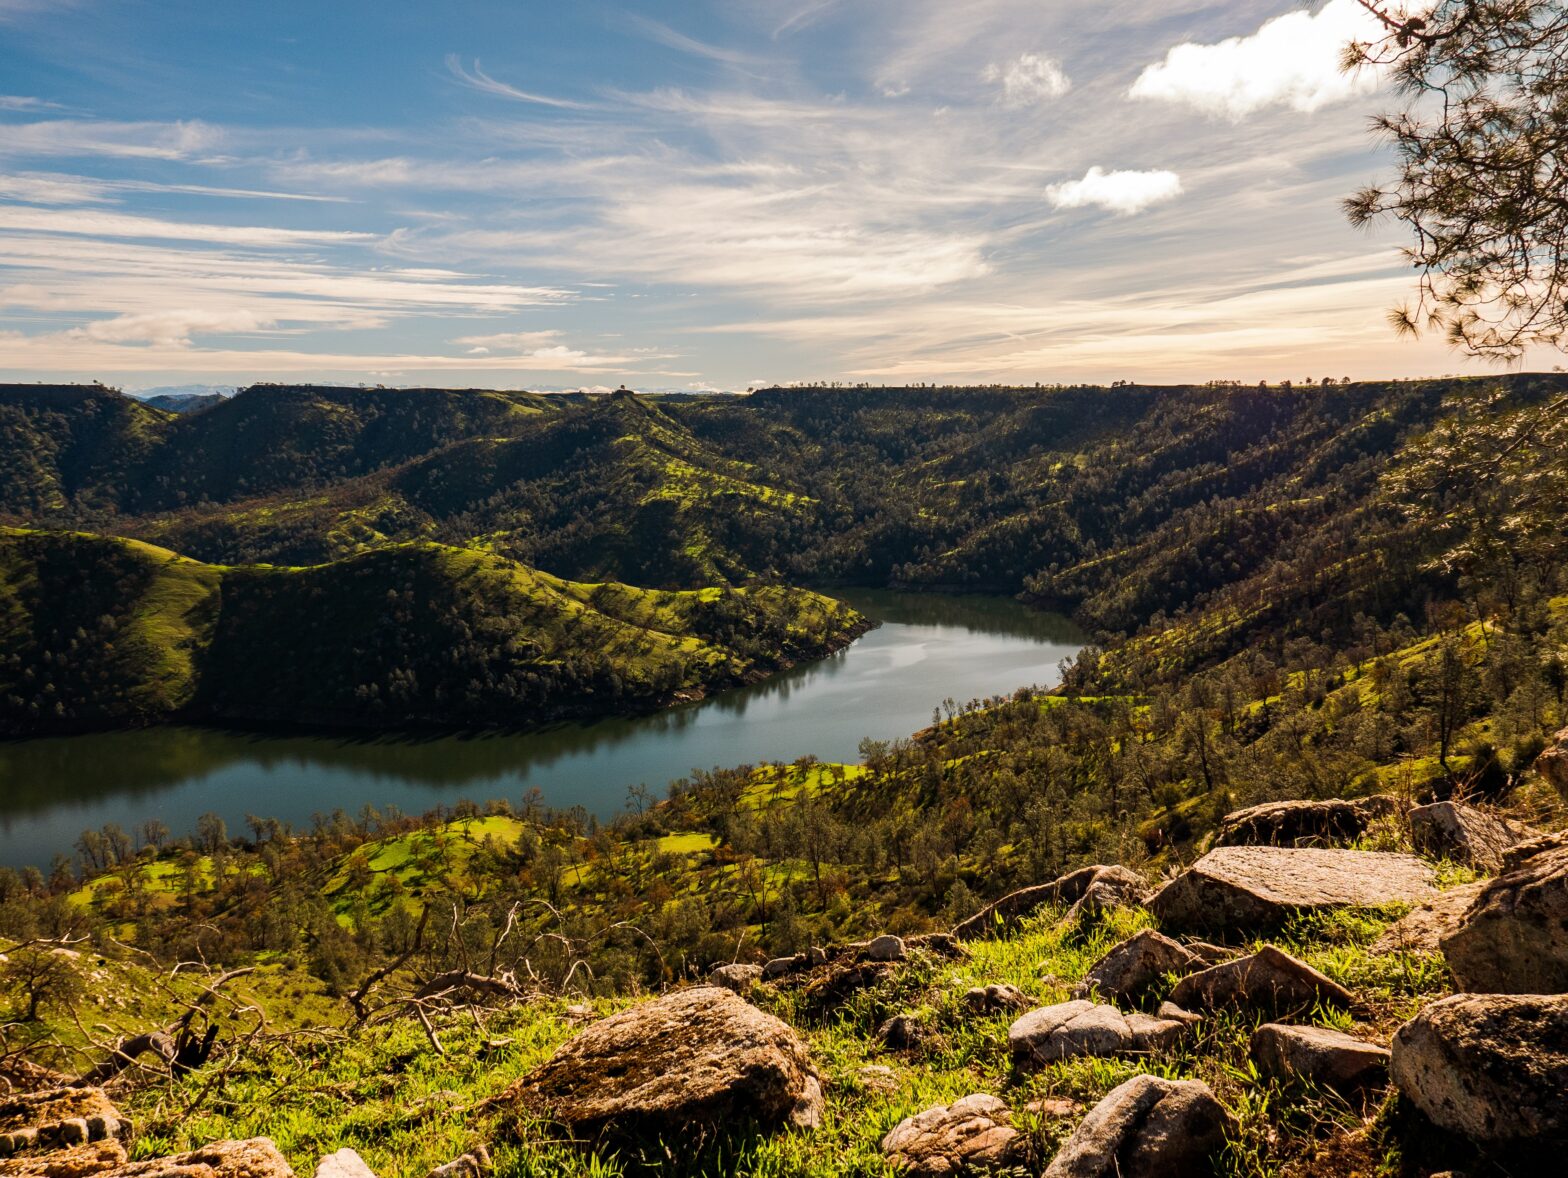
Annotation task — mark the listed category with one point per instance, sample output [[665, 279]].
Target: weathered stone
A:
[[58, 1117], [345, 1163], [1318, 1055], [1269, 979], [256, 1157], [697, 1056], [475, 1164], [779, 966], [1128, 970], [969, 1136], [1234, 888], [886, 948], [1465, 834], [1147, 1128], [1422, 929], [1493, 1067], [995, 999], [1302, 823], [1071, 1029], [1517, 856], [736, 978], [878, 1077], [1172, 1013], [902, 1032], [1514, 938], [1553, 763], [78, 1161], [1001, 916], [1112, 887]]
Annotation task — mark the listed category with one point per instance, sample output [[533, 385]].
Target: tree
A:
[[1482, 178]]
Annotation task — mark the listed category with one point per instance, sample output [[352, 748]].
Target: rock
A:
[[1465, 834], [1269, 979], [1170, 1012], [1001, 916], [1422, 929], [969, 1136], [878, 1077], [1071, 1029], [1553, 763], [1302, 823], [345, 1163], [886, 948], [902, 1032], [1129, 969], [475, 1164], [56, 1118], [1111, 887], [1516, 856], [995, 999], [1493, 1067], [78, 1161], [1147, 1128], [737, 978], [1233, 888], [257, 1157], [697, 1056], [1318, 1055], [780, 966], [1514, 938]]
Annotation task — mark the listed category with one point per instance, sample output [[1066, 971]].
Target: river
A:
[[928, 648]]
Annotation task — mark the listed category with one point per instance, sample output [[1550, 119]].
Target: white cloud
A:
[[477, 79], [1292, 60], [1028, 79], [78, 137], [172, 328], [92, 223], [25, 102], [1120, 192], [512, 340]]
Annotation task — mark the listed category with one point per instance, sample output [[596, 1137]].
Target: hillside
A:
[[98, 631]]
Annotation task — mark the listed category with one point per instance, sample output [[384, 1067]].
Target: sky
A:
[[689, 195]]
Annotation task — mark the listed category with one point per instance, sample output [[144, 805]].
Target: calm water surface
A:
[[928, 648]]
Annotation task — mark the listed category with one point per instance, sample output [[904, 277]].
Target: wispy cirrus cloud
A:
[[475, 78], [91, 137]]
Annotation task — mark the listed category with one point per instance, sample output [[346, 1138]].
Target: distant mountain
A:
[[184, 398]]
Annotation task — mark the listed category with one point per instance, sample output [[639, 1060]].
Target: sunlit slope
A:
[[97, 631]]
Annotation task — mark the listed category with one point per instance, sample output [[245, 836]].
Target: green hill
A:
[[102, 631]]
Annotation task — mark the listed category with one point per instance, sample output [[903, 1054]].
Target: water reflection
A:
[[929, 648]]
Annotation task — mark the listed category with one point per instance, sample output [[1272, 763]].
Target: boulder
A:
[[1071, 1029], [77, 1161], [1269, 979], [969, 1136], [777, 967], [697, 1056], [1465, 834], [471, 1165], [737, 978], [1422, 929], [1553, 763], [1235, 888], [1111, 887], [1001, 916], [1147, 1128], [1128, 970], [1176, 1014], [886, 948], [1514, 938], [1516, 856], [1302, 823], [1318, 1055], [345, 1163], [996, 998], [1493, 1067], [257, 1157], [902, 1032], [56, 1118]]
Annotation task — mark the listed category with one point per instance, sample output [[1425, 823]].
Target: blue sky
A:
[[689, 195]]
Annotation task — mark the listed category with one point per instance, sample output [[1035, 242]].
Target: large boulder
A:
[[1127, 971], [1071, 1029], [1236, 888], [1422, 929], [1466, 834], [1269, 979], [1302, 823], [1001, 916], [1493, 1067], [1318, 1055], [969, 1136], [1147, 1128], [738, 978], [256, 1157], [694, 1057], [1110, 887], [1514, 938]]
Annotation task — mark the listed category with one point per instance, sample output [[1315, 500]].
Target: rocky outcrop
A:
[[1302, 823], [1553, 763], [1128, 971], [1465, 834], [1269, 979], [1109, 888], [1517, 856], [1001, 916], [1147, 1128], [57, 1119], [1422, 929], [969, 1136], [1493, 1067], [1241, 888], [1318, 1055], [1514, 938], [76, 1161], [256, 1157], [695, 1057], [1071, 1029]]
